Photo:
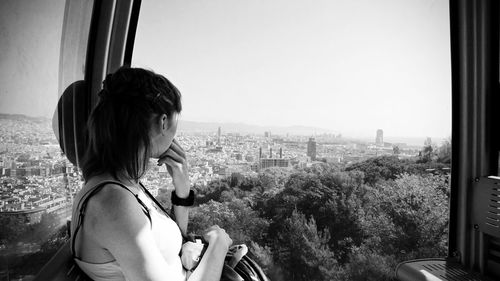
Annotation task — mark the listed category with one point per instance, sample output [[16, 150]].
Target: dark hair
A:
[[118, 127]]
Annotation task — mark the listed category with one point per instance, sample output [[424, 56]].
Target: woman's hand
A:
[[218, 236], [177, 167], [212, 262], [190, 254]]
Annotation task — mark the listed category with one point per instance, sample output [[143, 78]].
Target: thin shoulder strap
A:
[[154, 200], [82, 205]]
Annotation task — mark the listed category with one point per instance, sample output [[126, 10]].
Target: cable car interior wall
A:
[[474, 230]]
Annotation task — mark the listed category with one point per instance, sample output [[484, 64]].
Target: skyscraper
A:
[[379, 139], [311, 148], [218, 135]]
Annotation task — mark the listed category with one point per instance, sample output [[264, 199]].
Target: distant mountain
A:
[[191, 126], [205, 127], [21, 117], [411, 141]]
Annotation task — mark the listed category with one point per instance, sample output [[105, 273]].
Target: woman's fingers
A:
[[176, 142], [171, 154], [215, 226], [217, 234], [175, 146], [169, 161], [177, 149]]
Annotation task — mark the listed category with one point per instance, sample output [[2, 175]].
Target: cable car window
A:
[[43, 47], [317, 133]]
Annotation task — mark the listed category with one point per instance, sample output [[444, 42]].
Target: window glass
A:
[[43, 47], [318, 133]]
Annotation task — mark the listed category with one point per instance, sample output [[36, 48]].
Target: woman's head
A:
[[135, 118]]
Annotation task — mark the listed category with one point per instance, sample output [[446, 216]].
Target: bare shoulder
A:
[[114, 212], [112, 199]]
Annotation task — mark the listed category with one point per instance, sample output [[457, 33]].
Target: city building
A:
[[379, 139], [60, 206], [274, 162], [311, 149]]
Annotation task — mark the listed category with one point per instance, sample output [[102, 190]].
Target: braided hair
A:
[[118, 128]]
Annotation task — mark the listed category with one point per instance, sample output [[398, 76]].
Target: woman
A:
[[118, 230]]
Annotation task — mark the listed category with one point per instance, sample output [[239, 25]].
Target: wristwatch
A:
[[189, 201]]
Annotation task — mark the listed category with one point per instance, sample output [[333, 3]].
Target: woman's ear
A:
[[164, 123]]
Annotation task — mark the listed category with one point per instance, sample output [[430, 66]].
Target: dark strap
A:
[[154, 200], [85, 199]]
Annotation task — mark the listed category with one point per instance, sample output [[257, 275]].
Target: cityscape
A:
[[37, 179]]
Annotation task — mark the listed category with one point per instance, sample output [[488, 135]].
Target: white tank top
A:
[[167, 236]]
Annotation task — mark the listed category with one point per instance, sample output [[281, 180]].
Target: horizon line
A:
[[328, 131]]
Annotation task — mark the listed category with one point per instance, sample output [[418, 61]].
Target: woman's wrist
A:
[[182, 194], [182, 188], [218, 248]]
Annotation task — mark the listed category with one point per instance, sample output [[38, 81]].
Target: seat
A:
[[68, 124], [435, 270], [70, 119]]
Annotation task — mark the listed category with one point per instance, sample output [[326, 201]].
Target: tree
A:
[[47, 226], [333, 200], [303, 252], [379, 168], [365, 264], [444, 152], [395, 150], [236, 217], [31, 264], [212, 191], [408, 217], [324, 223], [12, 228]]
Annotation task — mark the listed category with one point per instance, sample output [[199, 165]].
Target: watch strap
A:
[[189, 201]]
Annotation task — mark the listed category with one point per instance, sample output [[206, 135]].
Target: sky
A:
[[30, 39], [351, 66]]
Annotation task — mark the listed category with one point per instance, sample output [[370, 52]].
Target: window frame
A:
[[474, 146]]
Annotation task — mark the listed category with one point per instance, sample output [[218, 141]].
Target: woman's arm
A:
[[177, 166], [181, 214], [213, 259], [117, 223]]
